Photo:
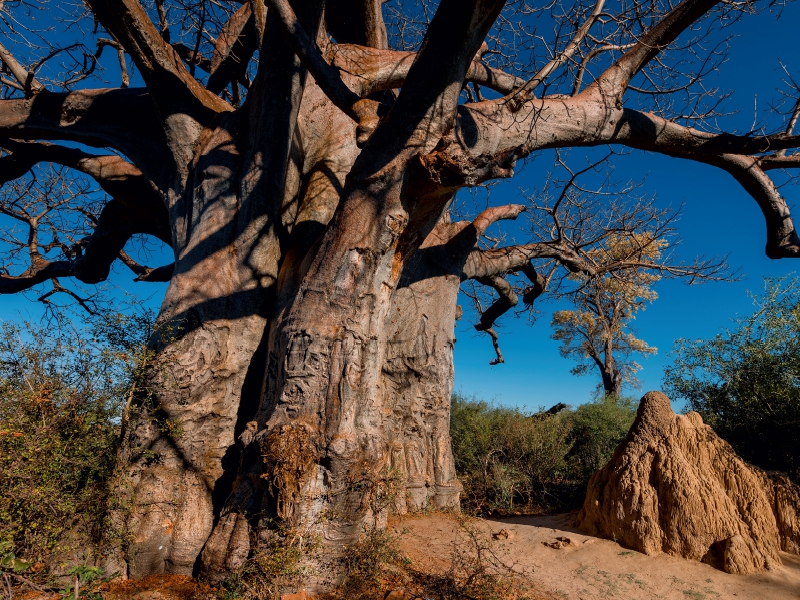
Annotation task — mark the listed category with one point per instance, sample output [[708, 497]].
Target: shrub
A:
[[276, 563], [502, 456], [597, 428], [745, 382], [61, 396], [508, 460]]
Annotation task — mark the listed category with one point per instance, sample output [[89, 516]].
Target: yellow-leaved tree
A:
[[598, 333]]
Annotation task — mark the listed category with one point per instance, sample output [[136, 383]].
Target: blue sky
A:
[[718, 218]]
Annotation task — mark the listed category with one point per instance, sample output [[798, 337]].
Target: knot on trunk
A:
[[450, 167], [368, 113]]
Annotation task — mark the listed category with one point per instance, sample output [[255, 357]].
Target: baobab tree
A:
[[305, 351]]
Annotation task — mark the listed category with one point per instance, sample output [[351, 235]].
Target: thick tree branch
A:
[[144, 273], [123, 119], [507, 299], [488, 263], [235, 46], [614, 81], [576, 86], [782, 238], [175, 91], [497, 213], [648, 131], [426, 107], [379, 70], [93, 256], [117, 177], [582, 121], [34, 275], [728, 152], [539, 284]]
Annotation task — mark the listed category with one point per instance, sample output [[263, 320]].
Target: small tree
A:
[[744, 381], [598, 331]]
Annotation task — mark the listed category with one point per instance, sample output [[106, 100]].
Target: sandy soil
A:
[[589, 567]]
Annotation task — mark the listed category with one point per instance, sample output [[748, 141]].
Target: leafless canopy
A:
[[557, 75]]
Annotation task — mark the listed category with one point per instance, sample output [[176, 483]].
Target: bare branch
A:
[[173, 88], [521, 95], [497, 213], [378, 70], [779, 160], [192, 57], [614, 81], [84, 303], [116, 176], [123, 67], [25, 79]]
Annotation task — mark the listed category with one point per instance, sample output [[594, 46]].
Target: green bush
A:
[[745, 382], [508, 460], [61, 396], [597, 428]]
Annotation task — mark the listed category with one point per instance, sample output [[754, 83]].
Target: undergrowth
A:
[[62, 393], [278, 561], [512, 461], [375, 566]]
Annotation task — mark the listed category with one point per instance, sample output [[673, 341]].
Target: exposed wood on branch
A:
[[379, 70]]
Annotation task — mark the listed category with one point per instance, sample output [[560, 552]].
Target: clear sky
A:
[[718, 218]]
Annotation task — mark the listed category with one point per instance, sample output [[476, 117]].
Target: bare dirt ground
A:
[[541, 557], [585, 568]]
